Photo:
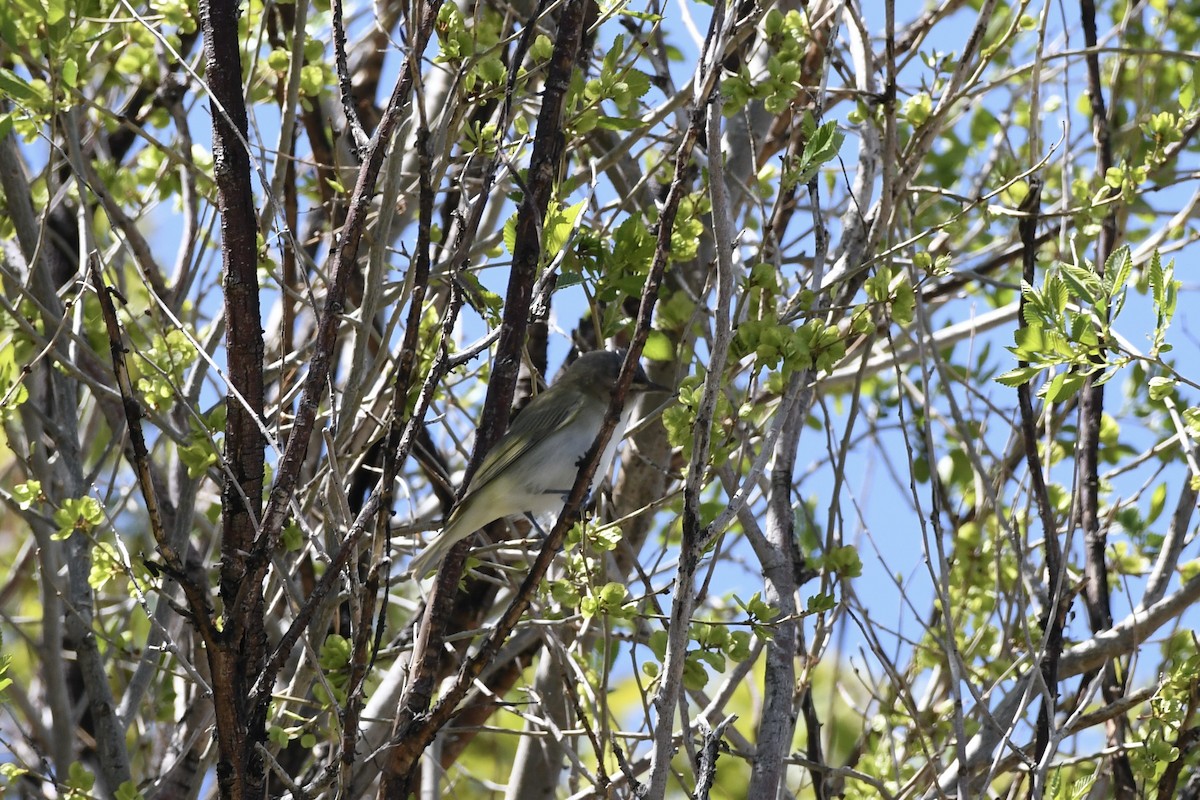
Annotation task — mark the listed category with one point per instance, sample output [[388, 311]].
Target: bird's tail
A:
[[431, 557]]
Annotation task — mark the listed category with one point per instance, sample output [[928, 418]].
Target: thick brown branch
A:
[[240, 653], [545, 163]]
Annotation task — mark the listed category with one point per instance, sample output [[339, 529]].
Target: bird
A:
[[533, 466]]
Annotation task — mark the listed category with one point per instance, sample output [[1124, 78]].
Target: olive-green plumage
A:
[[532, 468]]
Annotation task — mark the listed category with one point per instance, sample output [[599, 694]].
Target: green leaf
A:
[[659, 347], [70, 72], [56, 11], [821, 147], [1191, 417], [637, 83], [278, 735], [1117, 269], [917, 109], [714, 660], [27, 493], [80, 777], [1189, 569], [1082, 282], [613, 594], [335, 652], [510, 234], [617, 123], [820, 602], [1055, 291], [292, 537], [1158, 499], [1161, 387], [844, 561], [904, 302], [739, 646], [542, 48], [1062, 386], [491, 70], [695, 677], [1018, 377], [128, 791], [12, 85], [560, 223], [77, 514]]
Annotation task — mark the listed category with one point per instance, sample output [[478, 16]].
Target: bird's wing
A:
[[544, 419]]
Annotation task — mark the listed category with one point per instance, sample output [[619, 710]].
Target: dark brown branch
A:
[[545, 163], [391, 464], [1091, 410], [413, 732], [1056, 608], [343, 259], [344, 87], [241, 648], [197, 598]]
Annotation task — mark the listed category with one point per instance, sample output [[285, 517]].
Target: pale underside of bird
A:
[[533, 467]]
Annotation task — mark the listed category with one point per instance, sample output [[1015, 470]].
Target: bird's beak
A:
[[650, 386]]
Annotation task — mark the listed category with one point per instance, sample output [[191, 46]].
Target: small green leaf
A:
[[821, 147], [17, 88], [542, 48], [1117, 270], [560, 222], [128, 791], [278, 735], [820, 602], [1083, 282], [1161, 387], [1062, 386], [335, 652], [80, 777], [27, 493], [659, 347], [1189, 569], [77, 514], [1018, 377], [1191, 417], [70, 72], [1158, 499]]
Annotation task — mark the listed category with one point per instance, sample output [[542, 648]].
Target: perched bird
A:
[[532, 468]]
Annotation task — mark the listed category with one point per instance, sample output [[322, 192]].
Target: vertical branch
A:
[[391, 464], [1055, 614], [358, 134], [141, 454], [65, 473], [239, 656], [244, 445], [1091, 409], [545, 163], [1091, 405], [343, 260], [777, 725], [707, 110], [42, 261]]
